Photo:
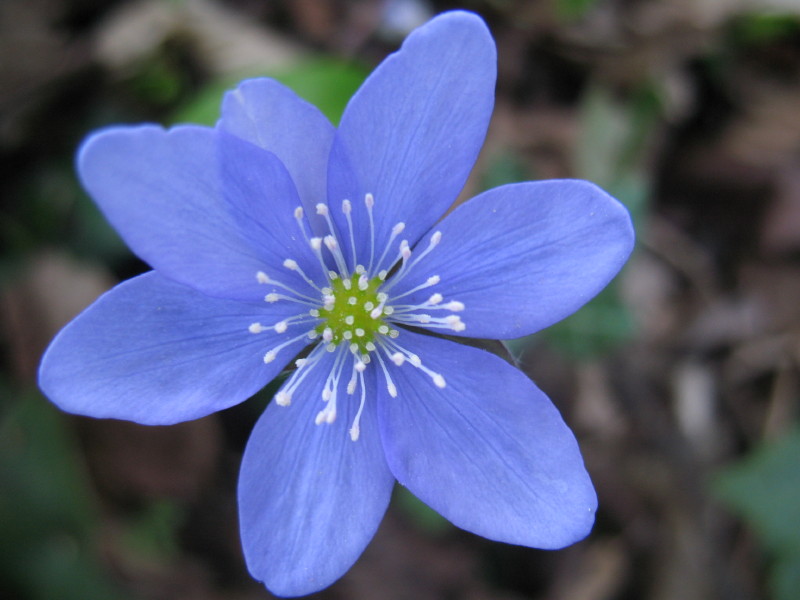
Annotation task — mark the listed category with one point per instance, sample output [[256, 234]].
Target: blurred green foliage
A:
[[49, 519], [326, 83], [764, 489]]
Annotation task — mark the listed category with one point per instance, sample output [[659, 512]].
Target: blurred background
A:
[[680, 381]]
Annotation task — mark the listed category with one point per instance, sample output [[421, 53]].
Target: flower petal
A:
[[310, 498], [161, 191], [262, 199], [489, 451], [157, 352], [271, 116], [524, 256], [411, 134]]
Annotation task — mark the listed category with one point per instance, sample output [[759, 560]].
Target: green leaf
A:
[[325, 82], [764, 490], [47, 517]]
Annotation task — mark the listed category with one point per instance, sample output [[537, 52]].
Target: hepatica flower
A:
[[278, 240]]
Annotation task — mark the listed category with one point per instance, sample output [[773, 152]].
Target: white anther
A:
[[349, 319], [255, 328], [392, 389], [352, 300], [290, 264], [262, 277], [387, 310], [393, 333], [454, 305], [347, 283], [384, 329], [436, 238], [281, 326], [347, 334], [346, 207], [414, 360], [436, 299], [316, 243], [382, 274], [326, 394], [360, 332], [327, 334], [269, 356], [353, 347], [360, 366], [398, 358], [439, 381], [328, 300], [283, 399], [369, 346], [433, 280], [333, 275], [330, 242], [369, 200], [273, 297], [322, 209], [369, 305], [398, 229], [300, 362], [363, 282], [313, 312], [330, 347], [376, 312], [298, 212], [360, 269], [405, 251], [382, 297]]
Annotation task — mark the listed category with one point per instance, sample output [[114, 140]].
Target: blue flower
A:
[[275, 236]]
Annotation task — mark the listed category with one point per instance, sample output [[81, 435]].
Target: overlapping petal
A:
[[411, 134], [262, 199], [161, 191], [524, 256], [310, 499], [156, 352], [489, 452], [271, 116]]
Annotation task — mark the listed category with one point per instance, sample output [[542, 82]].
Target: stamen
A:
[[346, 209], [432, 243], [333, 246], [369, 202], [355, 429], [284, 395], [265, 279], [396, 230], [292, 265], [271, 354], [390, 386]]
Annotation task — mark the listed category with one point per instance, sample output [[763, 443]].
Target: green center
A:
[[349, 316]]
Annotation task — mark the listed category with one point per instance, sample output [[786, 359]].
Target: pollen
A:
[[348, 317]]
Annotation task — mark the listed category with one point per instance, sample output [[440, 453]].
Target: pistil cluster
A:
[[354, 312]]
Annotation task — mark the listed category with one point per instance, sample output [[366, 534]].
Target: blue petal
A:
[[411, 134], [156, 352], [161, 191], [310, 498], [489, 451], [273, 117], [262, 199], [524, 256]]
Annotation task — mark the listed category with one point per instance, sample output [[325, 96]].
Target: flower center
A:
[[351, 313]]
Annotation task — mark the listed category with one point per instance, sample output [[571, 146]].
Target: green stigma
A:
[[353, 313]]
